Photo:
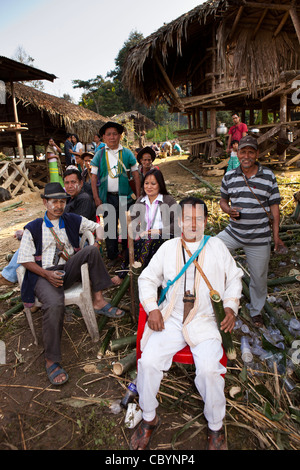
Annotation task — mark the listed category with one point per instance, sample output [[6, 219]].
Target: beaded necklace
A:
[[118, 167]]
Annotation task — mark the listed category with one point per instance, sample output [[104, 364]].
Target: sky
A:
[[79, 39]]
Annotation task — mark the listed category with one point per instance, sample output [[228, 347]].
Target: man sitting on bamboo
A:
[[185, 315]]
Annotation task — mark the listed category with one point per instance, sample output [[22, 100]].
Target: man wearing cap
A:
[[250, 196], [50, 244], [110, 183], [237, 131]]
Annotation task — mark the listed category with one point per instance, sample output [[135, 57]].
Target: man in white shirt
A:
[[168, 330], [50, 245], [110, 184]]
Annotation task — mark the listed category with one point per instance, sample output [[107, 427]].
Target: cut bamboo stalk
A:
[[105, 342], [17, 308], [125, 364], [131, 261], [119, 343]]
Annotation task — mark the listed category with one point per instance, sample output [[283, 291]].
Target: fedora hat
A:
[[109, 124], [146, 150], [54, 191]]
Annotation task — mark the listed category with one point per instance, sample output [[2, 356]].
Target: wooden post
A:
[[295, 21], [18, 134], [213, 118], [283, 118]]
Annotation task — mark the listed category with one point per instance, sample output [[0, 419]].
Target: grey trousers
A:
[[52, 298], [258, 258]]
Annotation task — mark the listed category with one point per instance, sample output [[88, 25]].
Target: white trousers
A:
[[157, 358], [258, 258]]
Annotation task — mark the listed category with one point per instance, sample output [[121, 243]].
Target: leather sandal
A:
[[140, 440], [216, 440]]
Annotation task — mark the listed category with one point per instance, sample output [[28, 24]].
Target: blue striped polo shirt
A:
[[253, 227]]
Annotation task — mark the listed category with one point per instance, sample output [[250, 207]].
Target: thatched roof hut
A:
[[138, 122], [222, 55], [47, 116]]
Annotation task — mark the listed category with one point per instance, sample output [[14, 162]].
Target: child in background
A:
[[233, 161]]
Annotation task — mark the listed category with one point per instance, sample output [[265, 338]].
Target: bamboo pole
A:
[[199, 178], [131, 261], [18, 133]]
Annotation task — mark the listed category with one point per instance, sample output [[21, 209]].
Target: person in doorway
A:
[[170, 326], [250, 196], [51, 244], [237, 131]]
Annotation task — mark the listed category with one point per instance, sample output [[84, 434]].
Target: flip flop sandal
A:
[[109, 311], [141, 438], [258, 321], [52, 375]]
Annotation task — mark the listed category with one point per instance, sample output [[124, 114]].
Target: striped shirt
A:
[[253, 227]]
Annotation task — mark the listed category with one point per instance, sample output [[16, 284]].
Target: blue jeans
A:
[[10, 271]]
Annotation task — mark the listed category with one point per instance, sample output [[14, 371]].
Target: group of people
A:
[[169, 237]]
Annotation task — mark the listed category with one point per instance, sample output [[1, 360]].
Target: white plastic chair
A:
[[79, 294]]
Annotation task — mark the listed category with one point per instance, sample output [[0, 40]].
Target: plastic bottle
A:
[[245, 350], [130, 395]]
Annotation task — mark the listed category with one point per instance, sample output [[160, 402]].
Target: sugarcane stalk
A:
[[15, 309], [105, 342], [125, 364], [119, 343]]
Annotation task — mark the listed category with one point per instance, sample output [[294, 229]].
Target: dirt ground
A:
[[81, 415]]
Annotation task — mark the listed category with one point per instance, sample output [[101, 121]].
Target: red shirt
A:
[[237, 131]]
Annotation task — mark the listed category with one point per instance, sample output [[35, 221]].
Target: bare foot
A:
[[116, 280]]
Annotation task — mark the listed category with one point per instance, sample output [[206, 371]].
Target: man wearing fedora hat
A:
[[51, 244], [110, 182], [250, 196]]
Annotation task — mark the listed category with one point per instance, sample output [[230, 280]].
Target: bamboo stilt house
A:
[[224, 55]]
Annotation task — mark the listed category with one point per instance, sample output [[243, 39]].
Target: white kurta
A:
[[200, 330], [220, 269]]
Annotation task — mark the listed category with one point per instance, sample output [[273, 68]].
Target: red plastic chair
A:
[[184, 356]]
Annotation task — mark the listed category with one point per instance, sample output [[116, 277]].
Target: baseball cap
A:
[[248, 141]]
